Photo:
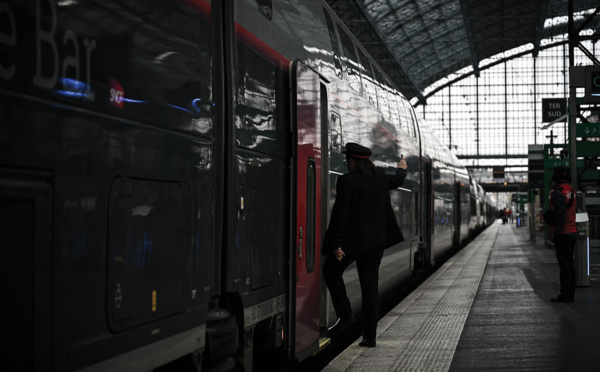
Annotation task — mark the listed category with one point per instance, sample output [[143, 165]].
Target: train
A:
[[167, 172]]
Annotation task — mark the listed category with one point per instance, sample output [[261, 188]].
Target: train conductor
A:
[[362, 225]]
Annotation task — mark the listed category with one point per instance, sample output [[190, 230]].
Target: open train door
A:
[[306, 114]]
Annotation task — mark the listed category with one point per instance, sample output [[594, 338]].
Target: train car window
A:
[[351, 61], [368, 82], [145, 61], [334, 44], [165, 73], [402, 114], [409, 118], [394, 108], [265, 7], [311, 192], [417, 216], [382, 98], [414, 121], [335, 131], [256, 111]]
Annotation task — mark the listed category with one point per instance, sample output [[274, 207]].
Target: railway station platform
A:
[[488, 308]]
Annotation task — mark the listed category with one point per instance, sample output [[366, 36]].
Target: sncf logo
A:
[[116, 93]]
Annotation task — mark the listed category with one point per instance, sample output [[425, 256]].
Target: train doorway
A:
[[306, 88]]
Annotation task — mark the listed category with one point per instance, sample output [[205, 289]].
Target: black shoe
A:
[[367, 343], [340, 326], [561, 298]]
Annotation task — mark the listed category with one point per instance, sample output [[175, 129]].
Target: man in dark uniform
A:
[[564, 232], [362, 225]]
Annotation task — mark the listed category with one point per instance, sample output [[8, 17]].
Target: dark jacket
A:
[[362, 218]]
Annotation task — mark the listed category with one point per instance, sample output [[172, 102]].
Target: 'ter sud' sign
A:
[[553, 108]]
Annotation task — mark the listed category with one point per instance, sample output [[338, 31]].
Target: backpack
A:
[[550, 215]]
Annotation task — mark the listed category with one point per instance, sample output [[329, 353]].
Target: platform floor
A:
[[488, 309]]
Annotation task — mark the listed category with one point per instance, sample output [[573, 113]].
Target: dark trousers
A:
[[367, 265], [564, 246]]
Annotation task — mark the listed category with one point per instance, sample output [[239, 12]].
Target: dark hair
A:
[[561, 174], [363, 166]]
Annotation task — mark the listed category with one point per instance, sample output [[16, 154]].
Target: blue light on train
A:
[[75, 89], [74, 85], [148, 238], [71, 94], [195, 104], [130, 100], [139, 253], [179, 108]]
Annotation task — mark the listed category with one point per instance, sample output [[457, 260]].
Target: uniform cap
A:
[[357, 151]]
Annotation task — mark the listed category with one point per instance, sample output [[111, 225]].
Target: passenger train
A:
[[167, 171]]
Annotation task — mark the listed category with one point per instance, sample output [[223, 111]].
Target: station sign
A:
[[552, 163], [522, 198], [498, 172], [592, 84], [594, 80], [553, 108], [535, 164], [587, 130]]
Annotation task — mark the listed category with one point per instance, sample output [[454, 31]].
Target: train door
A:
[[26, 235], [457, 213], [427, 216], [306, 287]]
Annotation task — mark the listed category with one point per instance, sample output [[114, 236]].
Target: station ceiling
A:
[[420, 42]]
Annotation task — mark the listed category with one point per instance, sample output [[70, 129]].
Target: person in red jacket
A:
[[562, 200]]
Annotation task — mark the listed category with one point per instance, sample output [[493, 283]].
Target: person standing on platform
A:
[[564, 232], [362, 225]]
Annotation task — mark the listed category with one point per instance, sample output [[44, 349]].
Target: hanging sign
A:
[[553, 108]]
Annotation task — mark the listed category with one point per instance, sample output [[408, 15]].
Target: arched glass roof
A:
[[426, 44]]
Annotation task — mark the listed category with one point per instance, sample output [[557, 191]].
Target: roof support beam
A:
[[361, 12], [469, 31], [574, 38], [588, 20], [540, 27], [590, 55]]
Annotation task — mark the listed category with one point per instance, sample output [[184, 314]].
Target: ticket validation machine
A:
[[582, 251]]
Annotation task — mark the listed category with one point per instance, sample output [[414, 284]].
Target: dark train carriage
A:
[[167, 170], [474, 207], [108, 183]]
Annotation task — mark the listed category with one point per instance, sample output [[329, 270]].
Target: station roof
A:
[[422, 42]]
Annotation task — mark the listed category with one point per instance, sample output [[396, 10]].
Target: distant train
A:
[[167, 171]]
